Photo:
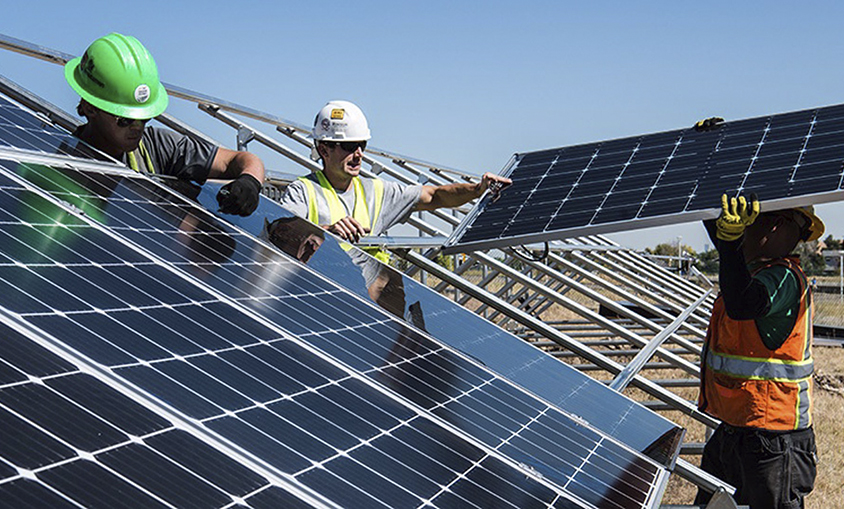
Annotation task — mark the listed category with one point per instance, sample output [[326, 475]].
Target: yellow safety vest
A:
[[338, 212], [144, 153]]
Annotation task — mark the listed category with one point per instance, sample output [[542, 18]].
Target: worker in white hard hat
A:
[[338, 199], [350, 206]]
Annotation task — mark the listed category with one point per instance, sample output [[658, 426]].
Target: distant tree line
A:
[[811, 255]]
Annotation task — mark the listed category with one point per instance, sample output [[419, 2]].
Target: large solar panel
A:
[[562, 386], [69, 439], [151, 293], [788, 160], [260, 390], [459, 392], [467, 332]]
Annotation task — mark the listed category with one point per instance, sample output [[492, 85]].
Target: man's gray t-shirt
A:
[[171, 153], [399, 202], [177, 155]]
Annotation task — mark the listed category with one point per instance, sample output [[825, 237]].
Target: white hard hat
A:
[[340, 121]]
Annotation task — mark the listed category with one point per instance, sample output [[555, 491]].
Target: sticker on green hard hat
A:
[[87, 68], [142, 94], [118, 75]]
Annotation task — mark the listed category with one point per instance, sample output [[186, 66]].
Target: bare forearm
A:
[[455, 195], [449, 195], [246, 163], [230, 164]]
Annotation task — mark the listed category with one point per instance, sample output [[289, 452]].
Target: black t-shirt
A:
[[178, 155], [175, 154]]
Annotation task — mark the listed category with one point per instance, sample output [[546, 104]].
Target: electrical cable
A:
[[525, 254]]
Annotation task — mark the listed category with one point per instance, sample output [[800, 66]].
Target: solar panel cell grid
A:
[[497, 349], [179, 332], [70, 439], [461, 394], [22, 129], [266, 428], [11, 115], [660, 178]]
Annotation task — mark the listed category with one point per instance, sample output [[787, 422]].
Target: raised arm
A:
[[745, 298], [455, 195]]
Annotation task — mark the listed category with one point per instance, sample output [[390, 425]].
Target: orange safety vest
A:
[[744, 383]]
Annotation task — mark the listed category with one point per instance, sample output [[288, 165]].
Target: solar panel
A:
[[21, 128], [465, 331], [435, 379], [623, 419], [220, 329], [133, 326], [788, 160], [68, 437]]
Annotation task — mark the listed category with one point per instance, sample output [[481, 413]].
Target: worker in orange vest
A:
[[756, 365]]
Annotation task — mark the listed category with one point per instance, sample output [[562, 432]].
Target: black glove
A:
[[240, 196], [708, 124]]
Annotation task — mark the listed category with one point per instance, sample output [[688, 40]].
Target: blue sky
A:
[[467, 84]]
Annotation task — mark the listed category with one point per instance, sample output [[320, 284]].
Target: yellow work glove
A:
[[736, 215], [708, 123]]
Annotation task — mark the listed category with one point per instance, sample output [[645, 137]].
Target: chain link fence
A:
[[829, 303]]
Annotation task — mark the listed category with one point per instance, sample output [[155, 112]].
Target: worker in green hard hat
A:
[[117, 80]]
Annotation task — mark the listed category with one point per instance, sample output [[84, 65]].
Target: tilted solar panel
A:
[[22, 129], [502, 352], [788, 160], [203, 354], [68, 437], [467, 332], [229, 375], [317, 394], [561, 450]]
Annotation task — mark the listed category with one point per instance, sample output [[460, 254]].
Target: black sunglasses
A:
[[348, 146], [126, 122]]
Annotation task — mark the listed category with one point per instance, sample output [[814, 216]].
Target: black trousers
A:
[[770, 469]]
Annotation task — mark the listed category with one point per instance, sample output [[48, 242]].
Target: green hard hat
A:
[[118, 75]]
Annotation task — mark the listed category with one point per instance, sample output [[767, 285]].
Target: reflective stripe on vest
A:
[[337, 211], [142, 151], [760, 369]]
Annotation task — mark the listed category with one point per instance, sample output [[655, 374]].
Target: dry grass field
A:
[[829, 431], [829, 428]]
